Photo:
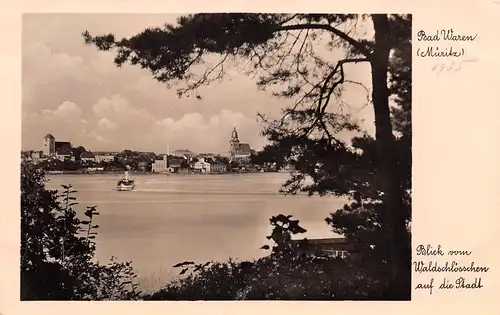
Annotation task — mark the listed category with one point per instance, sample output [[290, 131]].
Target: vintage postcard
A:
[[334, 154]]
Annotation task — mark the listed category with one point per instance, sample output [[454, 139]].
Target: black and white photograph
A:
[[216, 156]]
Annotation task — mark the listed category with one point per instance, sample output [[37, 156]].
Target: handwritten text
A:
[[443, 46], [434, 266]]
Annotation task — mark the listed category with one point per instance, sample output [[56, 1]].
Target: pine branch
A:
[[360, 47]]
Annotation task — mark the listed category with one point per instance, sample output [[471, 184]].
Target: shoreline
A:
[[55, 173]]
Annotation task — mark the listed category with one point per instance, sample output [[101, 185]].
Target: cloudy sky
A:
[[76, 93]]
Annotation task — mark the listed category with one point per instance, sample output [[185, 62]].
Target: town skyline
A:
[[167, 150], [79, 95], [63, 156]]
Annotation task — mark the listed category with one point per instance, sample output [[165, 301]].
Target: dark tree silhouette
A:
[[57, 248], [270, 154], [77, 152], [293, 54]]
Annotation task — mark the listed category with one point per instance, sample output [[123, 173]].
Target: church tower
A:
[[49, 145], [234, 142]]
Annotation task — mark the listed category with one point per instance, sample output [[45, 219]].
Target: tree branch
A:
[[321, 107], [360, 47], [205, 78]]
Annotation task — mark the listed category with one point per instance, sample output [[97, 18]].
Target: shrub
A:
[[57, 248], [286, 274]]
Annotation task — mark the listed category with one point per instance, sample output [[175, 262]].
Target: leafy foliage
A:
[[286, 274], [57, 248]]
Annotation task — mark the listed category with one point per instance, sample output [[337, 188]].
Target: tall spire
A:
[[234, 134]]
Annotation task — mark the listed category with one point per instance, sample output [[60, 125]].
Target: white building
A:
[[87, 157], [49, 145], [160, 166], [104, 157], [62, 156], [207, 165]]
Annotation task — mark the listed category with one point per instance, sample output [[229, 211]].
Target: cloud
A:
[[39, 59], [65, 122], [126, 126], [117, 112], [75, 92], [209, 133], [105, 123], [65, 111]]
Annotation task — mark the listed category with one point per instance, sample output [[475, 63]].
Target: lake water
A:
[[169, 219]]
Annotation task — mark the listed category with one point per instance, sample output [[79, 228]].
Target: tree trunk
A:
[[394, 221]]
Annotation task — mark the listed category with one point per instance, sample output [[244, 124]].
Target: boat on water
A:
[[125, 183]]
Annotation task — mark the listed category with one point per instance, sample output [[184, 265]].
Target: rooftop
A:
[[175, 162], [64, 151], [338, 243], [243, 149], [62, 145]]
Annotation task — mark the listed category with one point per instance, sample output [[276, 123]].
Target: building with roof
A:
[[208, 165], [175, 164], [49, 145], [160, 166], [87, 157], [238, 149], [144, 166], [59, 149], [63, 155], [333, 247], [63, 146], [104, 157]]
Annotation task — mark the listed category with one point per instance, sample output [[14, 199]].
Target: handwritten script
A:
[[428, 262], [446, 46]]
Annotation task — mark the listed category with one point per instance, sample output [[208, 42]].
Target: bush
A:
[[286, 274], [57, 248]]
